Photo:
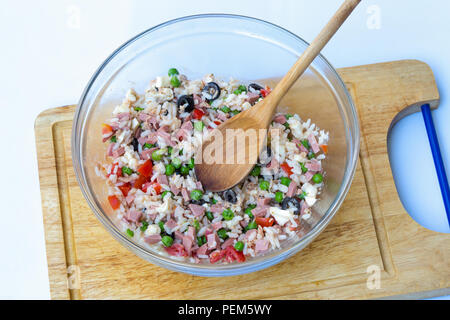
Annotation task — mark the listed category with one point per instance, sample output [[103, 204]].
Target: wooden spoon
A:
[[219, 164]]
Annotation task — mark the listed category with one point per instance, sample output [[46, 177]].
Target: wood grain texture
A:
[[371, 228]]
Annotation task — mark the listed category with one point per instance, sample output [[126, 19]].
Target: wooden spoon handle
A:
[[313, 50]]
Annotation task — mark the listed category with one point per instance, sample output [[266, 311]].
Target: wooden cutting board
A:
[[370, 232]]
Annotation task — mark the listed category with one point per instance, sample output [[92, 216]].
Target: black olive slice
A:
[[135, 144], [291, 201], [230, 196], [186, 99], [198, 202], [254, 87], [211, 91]]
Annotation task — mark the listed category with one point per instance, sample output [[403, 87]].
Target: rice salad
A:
[[149, 172]]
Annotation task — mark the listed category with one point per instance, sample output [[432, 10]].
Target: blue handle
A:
[[437, 157]]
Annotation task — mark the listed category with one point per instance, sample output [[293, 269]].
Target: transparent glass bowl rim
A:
[[208, 269]]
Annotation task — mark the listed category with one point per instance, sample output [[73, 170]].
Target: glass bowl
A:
[[241, 47]]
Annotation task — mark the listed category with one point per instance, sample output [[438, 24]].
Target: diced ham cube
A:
[[197, 210], [313, 143], [154, 238], [133, 215], [261, 245], [292, 189]]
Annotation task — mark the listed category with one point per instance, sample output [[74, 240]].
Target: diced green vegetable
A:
[[166, 192], [113, 139], [311, 155], [172, 72], [302, 195], [235, 112], [279, 196], [264, 185], [225, 109], [184, 170], [175, 82], [201, 241], [248, 210], [191, 163], [256, 171], [144, 226], [196, 225], [304, 169], [239, 246], [138, 108], [176, 162], [227, 214], [199, 125], [130, 233], [157, 155], [213, 201], [317, 178], [196, 194], [285, 181], [209, 215], [222, 233], [170, 169], [161, 226], [305, 143], [169, 150], [127, 171], [167, 241], [148, 145], [251, 225]]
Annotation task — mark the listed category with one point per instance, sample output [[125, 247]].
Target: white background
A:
[[49, 50]]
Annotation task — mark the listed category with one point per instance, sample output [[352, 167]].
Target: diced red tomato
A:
[[216, 256], [264, 222], [197, 114], [140, 181], [146, 168], [286, 168], [106, 129], [114, 202], [176, 249], [218, 123], [125, 188], [115, 170], [265, 92], [324, 148], [231, 254], [155, 185]]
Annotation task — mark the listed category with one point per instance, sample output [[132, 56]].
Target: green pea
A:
[[317, 178], [176, 162], [161, 226], [279, 196], [285, 181], [113, 139], [166, 192], [127, 171], [196, 225], [237, 92], [242, 88], [191, 163], [172, 72], [239, 246], [302, 195], [148, 145], [251, 225], [184, 170], [130, 233], [256, 171], [264, 185], [170, 169], [201, 241], [225, 109], [222, 233], [227, 214], [138, 108], [199, 125], [175, 82], [305, 143], [157, 155], [288, 116], [304, 169], [209, 215], [248, 210], [144, 226], [167, 241], [213, 201], [196, 194]]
